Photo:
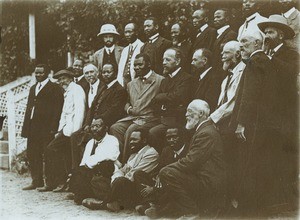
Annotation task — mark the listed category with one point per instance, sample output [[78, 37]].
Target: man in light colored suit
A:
[[126, 65], [232, 64], [57, 153], [111, 52], [141, 91], [292, 16], [252, 17]]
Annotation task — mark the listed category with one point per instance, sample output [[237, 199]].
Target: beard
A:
[[191, 124]]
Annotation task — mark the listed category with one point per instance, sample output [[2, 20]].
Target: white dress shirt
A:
[[73, 111], [175, 72], [93, 92], [109, 49], [221, 30], [202, 75], [111, 83], [77, 79], [154, 37], [107, 149], [289, 12], [40, 86], [202, 28]]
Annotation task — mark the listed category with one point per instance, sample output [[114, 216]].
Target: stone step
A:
[[3, 147], [4, 161]]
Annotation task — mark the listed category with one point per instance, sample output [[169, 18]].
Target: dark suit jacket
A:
[[108, 105], [258, 101], [206, 39], [174, 96], [156, 51], [186, 49], [98, 56], [47, 110], [209, 88], [204, 160], [225, 37], [84, 84]]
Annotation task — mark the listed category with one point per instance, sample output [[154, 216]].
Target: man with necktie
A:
[[126, 66], [111, 52], [41, 121], [79, 78], [155, 46]]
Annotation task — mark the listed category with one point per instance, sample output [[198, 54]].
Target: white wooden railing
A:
[[13, 100]]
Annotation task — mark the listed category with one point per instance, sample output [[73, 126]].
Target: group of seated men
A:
[[141, 128]]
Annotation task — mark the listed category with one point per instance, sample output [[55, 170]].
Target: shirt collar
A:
[[109, 48], [134, 43], [237, 66], [98, 142], [256, 52], [201, 124], [203, 27], [203, 74], [175, 72], [111, 83], [222, 29], [95, 85], [180, 150], [43, 83], [79, 78], [277, 48], [289, 12], [148, 74], [154, 37], [251, 17]]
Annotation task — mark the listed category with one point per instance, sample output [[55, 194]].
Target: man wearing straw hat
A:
[[111, 52]]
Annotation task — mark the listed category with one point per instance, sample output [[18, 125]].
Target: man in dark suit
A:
[[195, 183], [110, 53], [148, 184], [41, 121], [91, 74], [207, 84], [108, 105], [155, 46], [225, 34], [174, 96], [206, 36], [180, 41], [258, 115], [79, 78], [141, 91]]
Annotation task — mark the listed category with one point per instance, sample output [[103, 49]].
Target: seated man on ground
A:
[[149, 184], [99, 158], [195, 183], [122, 191]]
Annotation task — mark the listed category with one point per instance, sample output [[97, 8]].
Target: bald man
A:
[[126, 65], [195, 182], [258, 116], [206, 36]]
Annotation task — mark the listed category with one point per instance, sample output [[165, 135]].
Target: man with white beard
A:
[[195, 183]]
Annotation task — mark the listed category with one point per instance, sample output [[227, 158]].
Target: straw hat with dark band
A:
[[279, 22]]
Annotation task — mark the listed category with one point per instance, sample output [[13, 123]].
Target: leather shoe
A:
[[30, 187], [114, 206], [142, 208], [94, 204], [152, 213], [60, 188], [45, 189]]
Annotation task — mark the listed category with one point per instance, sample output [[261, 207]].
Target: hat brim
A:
[[289, 32], [115, 33]]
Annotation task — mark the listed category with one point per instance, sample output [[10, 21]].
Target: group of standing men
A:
[[141, 127]]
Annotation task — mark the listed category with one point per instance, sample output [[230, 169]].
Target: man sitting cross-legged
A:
[[99, 158], [122, 189]]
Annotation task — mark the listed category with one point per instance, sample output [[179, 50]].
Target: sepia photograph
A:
[[149, 109]]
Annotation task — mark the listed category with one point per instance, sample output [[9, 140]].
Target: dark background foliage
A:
[[73, 26]]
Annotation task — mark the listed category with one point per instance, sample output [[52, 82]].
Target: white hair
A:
[[199, 106], [90, 65], [253, 34], [233, 45]]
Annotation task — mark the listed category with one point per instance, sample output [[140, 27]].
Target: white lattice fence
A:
[[13, 100]]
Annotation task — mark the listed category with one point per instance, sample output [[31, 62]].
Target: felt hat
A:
[[63, 73]]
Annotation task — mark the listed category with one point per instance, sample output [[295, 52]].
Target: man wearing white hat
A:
[[111, 52]]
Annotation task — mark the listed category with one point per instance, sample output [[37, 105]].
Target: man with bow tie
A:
[[41, 121], [126, 66], [156, 45], [111, 52], [206, 36], [172, 99], [252, 17], [141, 91], [99, 158]]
